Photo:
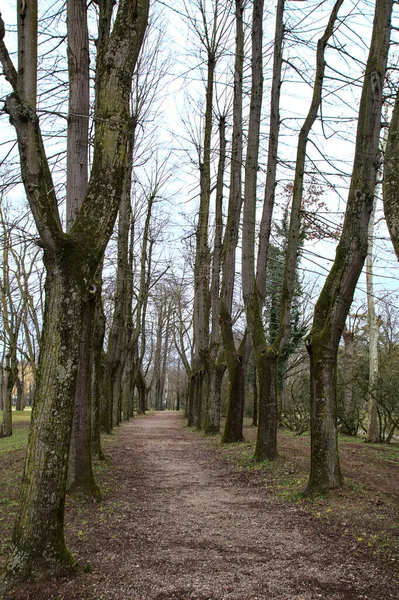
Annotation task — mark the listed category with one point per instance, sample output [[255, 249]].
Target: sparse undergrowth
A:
[[365, 510]]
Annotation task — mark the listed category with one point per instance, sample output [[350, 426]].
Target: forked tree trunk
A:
[[336, 296], [266, 357], [38, 545]]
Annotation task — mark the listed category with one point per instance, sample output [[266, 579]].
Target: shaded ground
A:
[[178, 522]]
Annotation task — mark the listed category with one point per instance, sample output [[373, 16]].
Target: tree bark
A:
[[237, 361], [38, 545], [232, 430], [373, 433], [98, 374], [350, 420], [336, 296], [81, 479], [6, 392], [216, 370]]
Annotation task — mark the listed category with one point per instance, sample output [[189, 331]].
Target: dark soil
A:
[[183, 519]]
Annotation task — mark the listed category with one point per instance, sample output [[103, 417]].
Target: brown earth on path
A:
[[178, 522]]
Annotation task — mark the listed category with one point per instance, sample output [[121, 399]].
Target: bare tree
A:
[[71, 259], [336, 296]]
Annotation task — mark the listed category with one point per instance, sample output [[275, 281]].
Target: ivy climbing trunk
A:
[[336, 296]]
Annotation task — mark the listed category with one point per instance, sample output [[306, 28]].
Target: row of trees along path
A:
[[178, 523]]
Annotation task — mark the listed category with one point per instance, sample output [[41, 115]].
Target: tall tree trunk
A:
[[80, 475], [216, 370], [232, 430], [267, 357], [202, 255], [38, 546], [336, 296]]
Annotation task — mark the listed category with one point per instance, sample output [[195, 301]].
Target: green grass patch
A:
[[19, 416], [17, 441]]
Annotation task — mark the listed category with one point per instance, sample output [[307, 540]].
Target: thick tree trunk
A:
[[42, 498], [325, 472], [38, 545], [235, 408], [237, 361], [336, 296]]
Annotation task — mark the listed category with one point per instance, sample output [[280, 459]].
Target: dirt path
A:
[[180, 524]]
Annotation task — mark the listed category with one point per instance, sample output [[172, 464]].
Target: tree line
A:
[[108, 324]]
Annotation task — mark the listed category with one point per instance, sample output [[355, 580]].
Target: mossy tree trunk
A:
[[71, 259], [38, 538], [336, 296]]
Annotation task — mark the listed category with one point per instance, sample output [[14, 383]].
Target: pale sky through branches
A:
[[177, 125]]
